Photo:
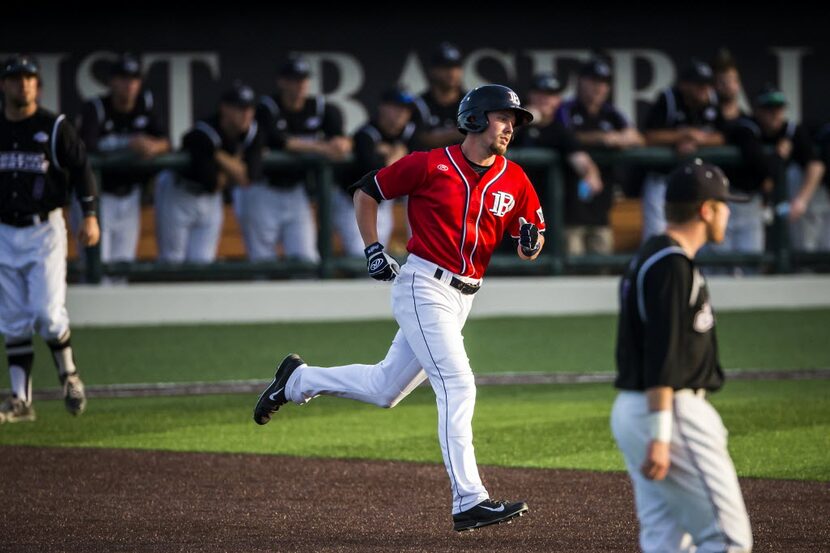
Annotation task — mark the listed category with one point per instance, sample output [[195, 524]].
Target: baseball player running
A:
[[41, 160], [462, 199], [674, 442]]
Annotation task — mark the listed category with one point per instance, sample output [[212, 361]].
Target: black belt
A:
[[27, 220], [459, 285]]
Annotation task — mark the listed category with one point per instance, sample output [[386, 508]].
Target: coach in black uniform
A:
[[437, 108], [294, 120], [673, 441], [119, 122], [42, 161]]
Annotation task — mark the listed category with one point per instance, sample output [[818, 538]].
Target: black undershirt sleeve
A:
[[368, 185], [71, 154], [666, 288]]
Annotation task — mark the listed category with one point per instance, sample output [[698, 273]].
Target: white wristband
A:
[[659, 425]]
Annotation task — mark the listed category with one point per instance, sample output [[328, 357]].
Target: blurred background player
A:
[[225, 150], [42, 161], [596, 123], [437, 108], [794, 151], [379, 143], [546, 131], [279, 212], [114, 123], [685, 117], [728, 87]]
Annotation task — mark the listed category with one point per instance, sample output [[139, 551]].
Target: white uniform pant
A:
[[33, 280], [811, 232], [188, 225], [429, 345], [270, 215], [698, 507], [653, 204], [345, 223]]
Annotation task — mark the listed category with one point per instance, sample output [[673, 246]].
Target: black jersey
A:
[[430, 115], [317, 120], [576, 117], [671, 112], [42, 160], [205, 139], [666, 329], [105, 130], [366, 140], [823, 141]]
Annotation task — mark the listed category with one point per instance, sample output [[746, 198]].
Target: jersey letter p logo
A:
[[503, 203]]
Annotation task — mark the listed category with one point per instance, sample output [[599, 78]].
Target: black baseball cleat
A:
[[273, 397], [488, 512]]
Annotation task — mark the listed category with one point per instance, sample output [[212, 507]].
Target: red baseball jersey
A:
[[458, 217]]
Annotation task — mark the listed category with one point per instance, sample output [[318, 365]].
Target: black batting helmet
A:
[[473, 109]]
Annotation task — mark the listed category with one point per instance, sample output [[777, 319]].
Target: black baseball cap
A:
[[697, 181], [20, 64], [596, 69], [547, 82], [770, 96], [239, 95], [447, 55], [127, 65], [397, 95], [295, 67], [697, 72]]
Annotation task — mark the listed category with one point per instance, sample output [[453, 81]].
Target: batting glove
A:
[[380, 265], [528, 237]]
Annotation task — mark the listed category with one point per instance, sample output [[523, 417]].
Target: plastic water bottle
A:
[[584, 191], [782, 209]]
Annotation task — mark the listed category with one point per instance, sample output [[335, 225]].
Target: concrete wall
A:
[[365, 299]]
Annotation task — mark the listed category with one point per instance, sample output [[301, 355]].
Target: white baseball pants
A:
[[188, 226], [33, 280], [429, 345], [270, 215], [698, 507]]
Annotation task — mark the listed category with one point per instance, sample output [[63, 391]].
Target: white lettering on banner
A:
[[413, 77], [789, 77], [350, 81], [503, 203], [472, 78], [626, 94], [544, 61], [86, 83], [180, 85]]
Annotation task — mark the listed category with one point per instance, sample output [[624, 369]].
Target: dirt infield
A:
[[103, 500]]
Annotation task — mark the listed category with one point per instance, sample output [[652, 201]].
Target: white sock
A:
[[21, 384]]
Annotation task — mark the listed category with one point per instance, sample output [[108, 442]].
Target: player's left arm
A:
[[70, 155], [152, 142], [804, 154]]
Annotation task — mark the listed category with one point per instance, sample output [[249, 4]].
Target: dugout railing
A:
[[320, 175]]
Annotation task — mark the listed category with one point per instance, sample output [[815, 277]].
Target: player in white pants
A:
[[462, 199], [674, 443], [42, 161]]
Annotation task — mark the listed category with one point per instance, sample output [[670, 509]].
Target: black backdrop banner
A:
[[189, 58]]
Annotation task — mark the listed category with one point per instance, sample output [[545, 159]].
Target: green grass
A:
[[777, 429], [761, 339]]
